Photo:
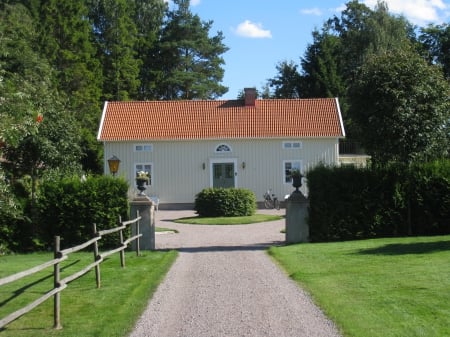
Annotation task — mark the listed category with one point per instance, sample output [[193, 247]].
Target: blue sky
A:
[[262, 33]]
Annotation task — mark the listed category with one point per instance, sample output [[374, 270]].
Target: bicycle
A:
[[271, 200]]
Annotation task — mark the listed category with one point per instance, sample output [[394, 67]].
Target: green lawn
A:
[[382, 287], [85, 310], [235, 220]]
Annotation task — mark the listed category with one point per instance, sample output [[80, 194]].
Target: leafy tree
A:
[[287, 83], [401, 106], [189, 61], [66, 41], [436, 40], [343, 45], [29, 100]]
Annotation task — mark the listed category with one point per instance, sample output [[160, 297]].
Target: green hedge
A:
[[350, 203], [215, 202], [69, 207]]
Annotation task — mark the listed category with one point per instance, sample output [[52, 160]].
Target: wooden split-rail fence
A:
[[61, 255]]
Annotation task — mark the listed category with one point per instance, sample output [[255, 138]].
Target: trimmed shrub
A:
[[69, 208], [215, 202], [351, 203]]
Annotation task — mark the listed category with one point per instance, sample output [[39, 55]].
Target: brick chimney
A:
[[250, 96]]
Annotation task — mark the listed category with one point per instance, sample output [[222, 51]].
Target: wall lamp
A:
[[113, 164], [204, 166], [243, 165]]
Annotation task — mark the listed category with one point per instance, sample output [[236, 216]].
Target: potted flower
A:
[[296, 178], [142, 178]]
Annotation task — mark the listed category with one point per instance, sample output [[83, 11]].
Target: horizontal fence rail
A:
[[61, 255]]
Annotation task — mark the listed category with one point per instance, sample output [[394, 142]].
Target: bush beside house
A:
[[215, 202]]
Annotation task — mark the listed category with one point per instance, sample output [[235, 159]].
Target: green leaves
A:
[[400, 105], [217, 202]]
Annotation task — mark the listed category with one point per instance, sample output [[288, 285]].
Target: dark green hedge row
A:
[[215, 202], [350, 203], [70, 207]]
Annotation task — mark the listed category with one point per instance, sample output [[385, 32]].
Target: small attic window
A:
[[223, 148], [143, 148], [294, 145]]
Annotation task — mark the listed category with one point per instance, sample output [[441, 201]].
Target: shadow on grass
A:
[[21, 290], [408, 248]]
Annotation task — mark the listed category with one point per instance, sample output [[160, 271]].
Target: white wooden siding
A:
[[181, 169]]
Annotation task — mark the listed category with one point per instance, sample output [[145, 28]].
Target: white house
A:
[[187, 146]]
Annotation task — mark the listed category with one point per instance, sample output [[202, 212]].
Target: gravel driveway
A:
[[224, 284]]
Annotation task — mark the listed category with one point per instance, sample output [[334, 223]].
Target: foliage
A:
[[401, 107], [10, 212], [69, 207], [190, 61], [351, 203], [376, 288], [435, 40], [321, 75], [115, 36], [286, 83], [227, 202]]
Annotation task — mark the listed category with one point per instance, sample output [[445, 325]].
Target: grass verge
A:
[[235, 220], [108, 311], [162, 229], [383, 287]]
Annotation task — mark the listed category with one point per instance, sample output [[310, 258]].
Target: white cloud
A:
[[311, 11], [417, 11], [252, 30]]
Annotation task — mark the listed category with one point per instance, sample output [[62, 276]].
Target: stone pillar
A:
[[297, 229], [144, 205]]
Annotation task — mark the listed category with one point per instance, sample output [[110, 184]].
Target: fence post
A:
[[96, 258], [122, 252], [138, 248], [56, 277]]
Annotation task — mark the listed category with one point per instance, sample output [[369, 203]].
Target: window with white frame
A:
[[223, 148], [145, 167], [143, 147], [288, 166], [292, 145]]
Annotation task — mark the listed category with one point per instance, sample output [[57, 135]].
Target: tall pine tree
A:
[[115, 37], [189, 60]]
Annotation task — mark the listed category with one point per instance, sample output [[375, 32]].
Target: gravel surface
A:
[[224, 284]]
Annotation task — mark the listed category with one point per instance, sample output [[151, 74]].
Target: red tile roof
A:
[[183, 120]]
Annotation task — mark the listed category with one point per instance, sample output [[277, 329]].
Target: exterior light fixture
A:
[[113, 164], [204, 166], [243, 165]]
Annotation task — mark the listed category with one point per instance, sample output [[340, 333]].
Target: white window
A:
[[146, 167], [292, 145], [223, 148], [143, 147], [288, 166]]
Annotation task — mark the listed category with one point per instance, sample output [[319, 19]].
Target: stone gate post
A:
[[297, 229], [144, 205]]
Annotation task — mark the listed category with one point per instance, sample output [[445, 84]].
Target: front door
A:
[[223, 175]]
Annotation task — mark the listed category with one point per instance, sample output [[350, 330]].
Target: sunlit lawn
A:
[[236, 220], [85, 310], [383, 287]]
